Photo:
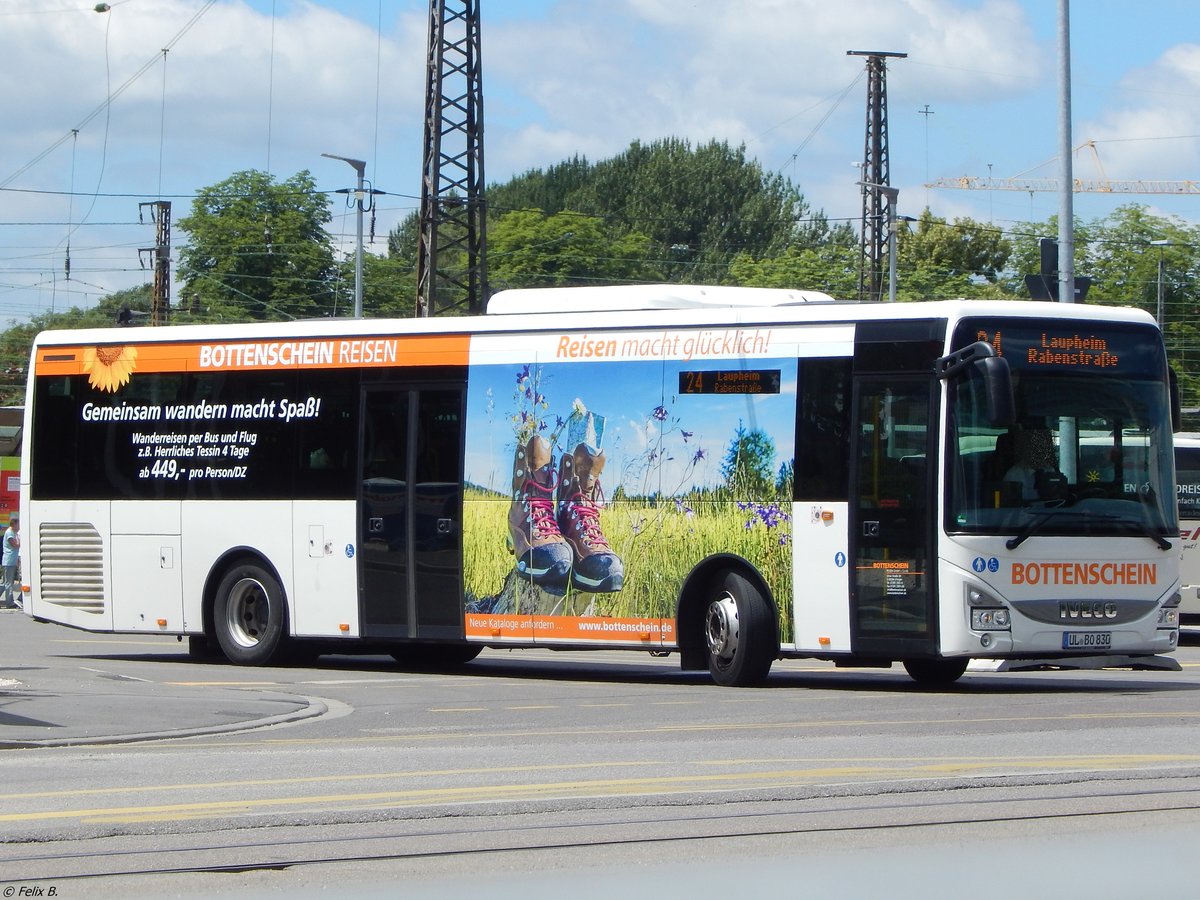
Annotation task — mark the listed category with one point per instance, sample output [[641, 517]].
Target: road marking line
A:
[[708, 727], [659, 784]]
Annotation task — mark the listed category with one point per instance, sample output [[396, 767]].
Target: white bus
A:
[[1187, 476], [732, 475]]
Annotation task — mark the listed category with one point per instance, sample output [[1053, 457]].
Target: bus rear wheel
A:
[[936, 672], [249, 616], [739, 629]]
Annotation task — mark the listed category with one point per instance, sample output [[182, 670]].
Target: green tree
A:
[[938, 259], [258, 250], [1123, 262], [404, 242], [527, 248], [16, 342], [749, 463], [389, 287], [831, 268], [1025, 258], [700, 206], [550, 190]]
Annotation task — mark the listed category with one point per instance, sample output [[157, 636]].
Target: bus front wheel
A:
[[739, 629], [250, 620], [936, 672]]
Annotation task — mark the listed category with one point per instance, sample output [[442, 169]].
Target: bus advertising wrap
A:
[[592, 488]]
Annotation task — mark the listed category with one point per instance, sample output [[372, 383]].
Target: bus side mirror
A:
[[1176, 403], [980, 359], [997, 388]]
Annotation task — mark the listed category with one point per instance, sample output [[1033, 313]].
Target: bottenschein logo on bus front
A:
[[1084, 573]]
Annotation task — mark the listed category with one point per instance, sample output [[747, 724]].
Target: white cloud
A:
[[772, 74], [237, 90], [1155, 133], [560, 79]]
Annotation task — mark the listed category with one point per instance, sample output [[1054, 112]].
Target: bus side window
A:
[[823, 430], [1187, 476]]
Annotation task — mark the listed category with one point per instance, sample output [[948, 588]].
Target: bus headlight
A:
[[987, 613], [1168, 617], [989, 619]]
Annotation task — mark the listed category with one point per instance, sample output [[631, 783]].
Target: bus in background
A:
[[1187, 477], [734, 475], [11, 421]]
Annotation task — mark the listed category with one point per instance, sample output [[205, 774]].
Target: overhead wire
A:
[[825, 118], [103, 144], [162, 122], [110, 98], [270, 86]]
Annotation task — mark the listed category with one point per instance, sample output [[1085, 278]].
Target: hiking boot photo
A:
[[542, 554], [595, 567]]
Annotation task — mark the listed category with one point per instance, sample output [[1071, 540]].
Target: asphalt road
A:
[[128, 767]]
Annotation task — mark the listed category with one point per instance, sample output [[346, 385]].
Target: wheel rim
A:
[[721, 628], [248, 612]]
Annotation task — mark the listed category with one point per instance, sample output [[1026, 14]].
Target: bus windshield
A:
[[1090, 450]]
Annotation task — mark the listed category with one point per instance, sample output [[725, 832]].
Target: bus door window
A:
[[412, 512], [892, 560], [438, 496], [385, 513]]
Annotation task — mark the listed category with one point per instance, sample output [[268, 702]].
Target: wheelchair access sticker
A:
[[979, 564]]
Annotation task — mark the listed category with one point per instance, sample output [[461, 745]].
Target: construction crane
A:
[[1101, 185], [1079, 185]]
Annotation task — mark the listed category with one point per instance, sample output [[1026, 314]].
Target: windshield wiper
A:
[[1131, 526], [1041, 518], [1135, 527]]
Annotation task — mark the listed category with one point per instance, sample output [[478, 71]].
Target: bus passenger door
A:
[[410, 512], [892, 589]]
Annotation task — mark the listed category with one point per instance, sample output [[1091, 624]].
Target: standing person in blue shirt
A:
[[10, 560]]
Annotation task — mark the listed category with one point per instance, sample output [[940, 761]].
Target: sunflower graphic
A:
[[109, 368]]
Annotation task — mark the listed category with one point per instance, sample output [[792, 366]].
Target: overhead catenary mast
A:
[[877, 220], [451, 258]]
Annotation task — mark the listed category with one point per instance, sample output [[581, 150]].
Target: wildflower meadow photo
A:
[[592, 488]]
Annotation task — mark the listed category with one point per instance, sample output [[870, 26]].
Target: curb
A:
[[314, 707]]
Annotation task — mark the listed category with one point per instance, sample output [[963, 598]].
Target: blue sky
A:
[[273, 84], [681, 448]]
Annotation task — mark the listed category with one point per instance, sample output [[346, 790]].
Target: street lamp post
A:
[[1161, 268], [891, 194], [360, 167]]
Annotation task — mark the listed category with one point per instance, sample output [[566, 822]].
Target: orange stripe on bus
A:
[[368, 351], [590, 629]]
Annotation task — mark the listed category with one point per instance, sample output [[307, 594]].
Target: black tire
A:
[[201, 648], [739, 629], [302, 653], [936, 672], [249, 616], [436, 656]]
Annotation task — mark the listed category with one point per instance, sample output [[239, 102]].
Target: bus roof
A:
[[644, 296], [560, 309]]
